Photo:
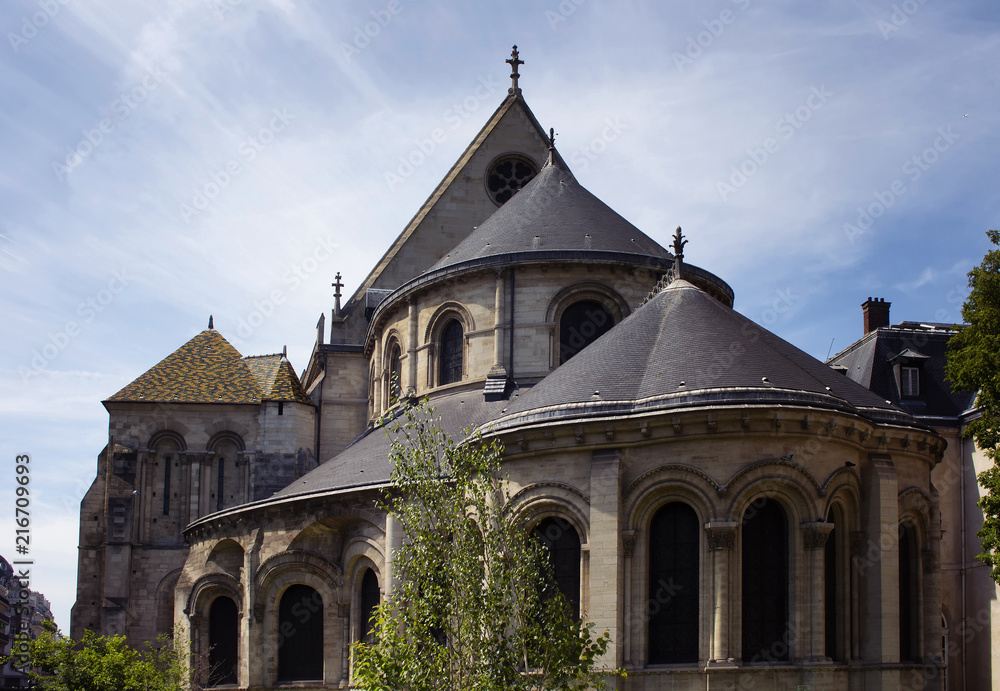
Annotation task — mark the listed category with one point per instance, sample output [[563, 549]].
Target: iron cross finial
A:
[[514, 61], [552, 138]]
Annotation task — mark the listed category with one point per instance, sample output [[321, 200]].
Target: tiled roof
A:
[[207, 369], [276, 378]]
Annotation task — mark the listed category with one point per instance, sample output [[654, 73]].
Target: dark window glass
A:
[[765, 582], [673, 585], [369, 601], [581, 324], [563, 544], [395, 373], [166, 485], [908, 617], [507, 176], [451, 353], [223, 636], [219, 503], [300, 635], [831, 568]]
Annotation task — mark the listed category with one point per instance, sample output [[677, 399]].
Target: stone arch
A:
[[841, 613], [446, 311], [164, 599], [392, 368], [608, 305], [671, 484], [272, 579], [790, 484], [166, 434], [226, 436], [440, 358], [202, 627], [362, 555], [540, 500], [227, 555]]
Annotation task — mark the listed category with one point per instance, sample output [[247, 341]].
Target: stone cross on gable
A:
[[514, 61], [337, 285]]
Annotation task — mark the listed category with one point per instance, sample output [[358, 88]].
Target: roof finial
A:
[[514, 61], [679, 243], [337, 285], [211, 323], [552, 147]]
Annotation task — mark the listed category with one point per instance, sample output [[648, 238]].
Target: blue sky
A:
[[815, 154]]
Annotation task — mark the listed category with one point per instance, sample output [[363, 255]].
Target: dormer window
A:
[[906, 368]]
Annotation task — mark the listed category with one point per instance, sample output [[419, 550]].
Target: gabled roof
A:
[[553, 212], [207, 369], [684, 349]]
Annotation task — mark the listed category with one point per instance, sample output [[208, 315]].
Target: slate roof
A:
[[869, 362], [683, 349], [366, 461], [208, 369], [553, 212]]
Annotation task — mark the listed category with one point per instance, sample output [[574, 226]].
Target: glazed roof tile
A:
[[208, 369]]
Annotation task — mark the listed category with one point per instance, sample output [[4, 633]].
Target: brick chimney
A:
[[876, 313]]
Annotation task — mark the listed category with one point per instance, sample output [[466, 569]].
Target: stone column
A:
[[721, 541], [814, 537]]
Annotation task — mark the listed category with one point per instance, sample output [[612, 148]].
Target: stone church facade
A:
[[735, 513]]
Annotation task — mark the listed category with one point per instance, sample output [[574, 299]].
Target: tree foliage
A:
[[104, 663], [974, 365], [475, 605]]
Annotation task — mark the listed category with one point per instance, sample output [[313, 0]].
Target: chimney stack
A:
[[876, 314]]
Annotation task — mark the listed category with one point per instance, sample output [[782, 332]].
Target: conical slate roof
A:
[[684, 349], [553, 212]]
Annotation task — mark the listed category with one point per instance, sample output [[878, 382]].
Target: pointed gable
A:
[[206, 369], [460, 202]]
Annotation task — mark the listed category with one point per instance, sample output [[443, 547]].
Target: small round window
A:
[[508, 174]]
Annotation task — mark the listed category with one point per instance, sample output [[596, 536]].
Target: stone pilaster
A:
[[605, 544]]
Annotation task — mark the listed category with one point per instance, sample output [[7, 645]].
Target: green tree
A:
[[974, 365], [475, 606], [104, 663]]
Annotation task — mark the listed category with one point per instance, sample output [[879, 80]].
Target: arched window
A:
[[300, 635], [450, 362], [223, 638], [581, 324], [673, 585], [909, 614], [369, 601], [395, 374], [765, 582], [563, 544]]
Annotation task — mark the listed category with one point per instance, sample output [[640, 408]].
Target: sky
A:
[[161, 161]]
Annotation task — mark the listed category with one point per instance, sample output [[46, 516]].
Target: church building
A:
[[736, 513]]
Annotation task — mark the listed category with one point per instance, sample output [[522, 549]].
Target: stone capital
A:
[[814, 535], [721, 534]]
